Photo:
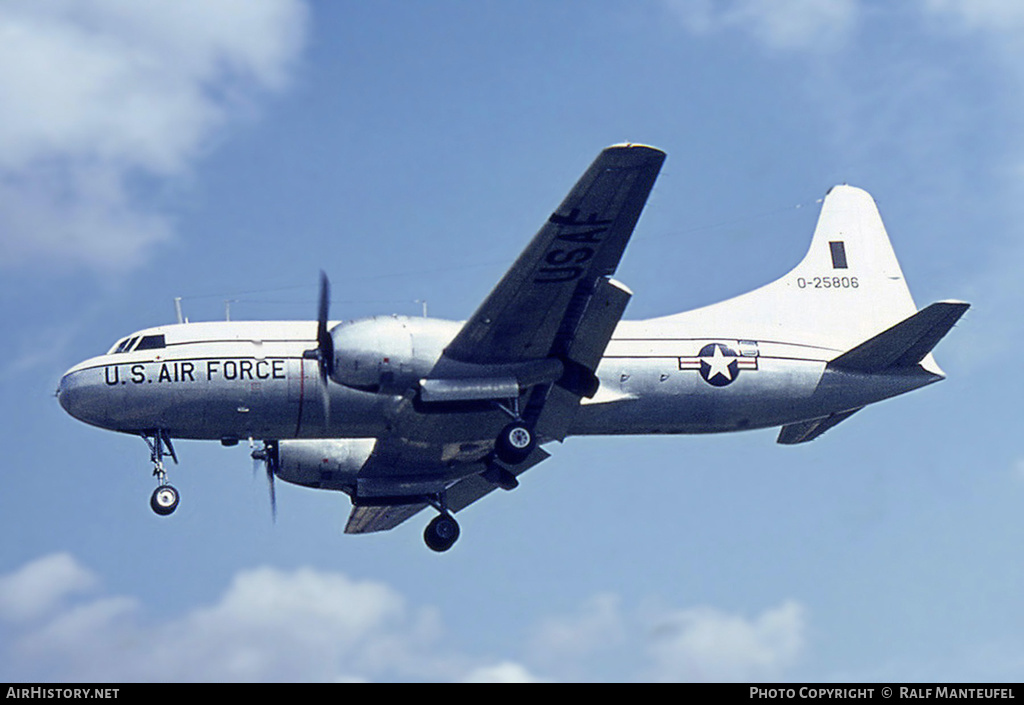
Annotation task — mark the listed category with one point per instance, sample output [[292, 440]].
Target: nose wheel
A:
[[164, 500], [165, 497]]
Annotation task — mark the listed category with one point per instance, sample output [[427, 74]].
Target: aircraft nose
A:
[[79, 396], [69, 393]]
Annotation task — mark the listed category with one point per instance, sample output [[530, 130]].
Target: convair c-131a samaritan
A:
[[403, 413]]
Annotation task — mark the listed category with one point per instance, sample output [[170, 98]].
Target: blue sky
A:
[[230, 150]]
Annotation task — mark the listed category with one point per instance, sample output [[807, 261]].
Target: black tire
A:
[[441, 533], [164, 500], [515, 443]]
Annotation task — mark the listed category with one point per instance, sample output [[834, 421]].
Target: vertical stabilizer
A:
[[850, 281], [848, 287]]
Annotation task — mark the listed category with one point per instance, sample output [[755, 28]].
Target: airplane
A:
[[402, 413]]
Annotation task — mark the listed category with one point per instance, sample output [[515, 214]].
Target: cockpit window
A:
[[124, 346], [151, 342], [147, 342]]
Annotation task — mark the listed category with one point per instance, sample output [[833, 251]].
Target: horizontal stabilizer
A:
[[905, 344], [804, 431]]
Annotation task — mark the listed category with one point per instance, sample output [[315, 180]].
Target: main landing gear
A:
[[515, 443], [512, 446], [516, 440], [441, 533], [164, 499]]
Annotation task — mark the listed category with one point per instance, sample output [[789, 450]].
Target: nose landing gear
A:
[[164, 500], [165, 497]]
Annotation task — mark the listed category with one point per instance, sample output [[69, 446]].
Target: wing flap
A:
[[559, 403], [366, 520]]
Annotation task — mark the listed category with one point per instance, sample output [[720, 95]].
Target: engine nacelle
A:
[[388, 353], [330, 464]]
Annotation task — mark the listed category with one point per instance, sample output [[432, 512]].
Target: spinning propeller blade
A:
[[268, 454], [324, 342], [324, 346]]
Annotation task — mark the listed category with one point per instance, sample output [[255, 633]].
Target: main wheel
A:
[[441, 533], [514, 443], [164, 500]]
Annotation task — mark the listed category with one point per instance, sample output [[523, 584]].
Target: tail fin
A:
[[848, 286]]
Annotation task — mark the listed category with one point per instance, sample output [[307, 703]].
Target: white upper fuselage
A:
[[250, 379]]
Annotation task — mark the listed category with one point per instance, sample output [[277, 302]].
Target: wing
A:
[[537, 338], [541, 297]]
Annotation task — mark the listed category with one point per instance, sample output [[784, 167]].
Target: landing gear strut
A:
[[443, 531], [516, 441], [164, 499]]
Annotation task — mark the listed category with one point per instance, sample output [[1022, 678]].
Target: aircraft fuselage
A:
[[251, 379]]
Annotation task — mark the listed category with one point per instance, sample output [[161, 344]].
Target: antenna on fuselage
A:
[[177, 310]]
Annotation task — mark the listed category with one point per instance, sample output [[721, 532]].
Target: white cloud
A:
[[1018, 469], [998, 15], [268, 625], [705, 644], [314, 625], [40, 587], [95, 94], [693, 644], [818, 25], [567, 642], [504, 672]]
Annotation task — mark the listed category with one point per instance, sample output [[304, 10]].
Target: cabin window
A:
[[151, 342]]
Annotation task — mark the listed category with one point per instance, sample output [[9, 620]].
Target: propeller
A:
[[324, 345], [324, 351], [271, 463]]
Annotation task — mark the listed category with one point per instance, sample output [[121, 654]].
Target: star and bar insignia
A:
[[719, 364]]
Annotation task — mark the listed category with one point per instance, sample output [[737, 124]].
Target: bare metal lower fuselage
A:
[[236, 380]]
